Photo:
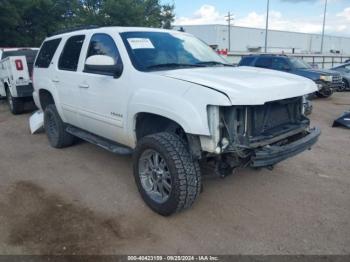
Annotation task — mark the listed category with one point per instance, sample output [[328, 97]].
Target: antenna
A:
[[267, 24], [229, 18]]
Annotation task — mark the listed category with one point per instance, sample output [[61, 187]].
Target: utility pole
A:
[[229, 18], [324, 24], [267, 24]]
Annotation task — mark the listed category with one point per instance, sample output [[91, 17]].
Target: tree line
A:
[[28, 22]]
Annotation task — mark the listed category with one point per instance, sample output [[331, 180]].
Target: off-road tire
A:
[[16, 105], [184, 171], [55, 128]]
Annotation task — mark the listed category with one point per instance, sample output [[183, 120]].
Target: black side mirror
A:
[[118, 70], [103, 65]]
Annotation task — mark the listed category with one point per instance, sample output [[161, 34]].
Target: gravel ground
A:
[[83, 200]]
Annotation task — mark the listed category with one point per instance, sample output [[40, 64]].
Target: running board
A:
[[99, 141]]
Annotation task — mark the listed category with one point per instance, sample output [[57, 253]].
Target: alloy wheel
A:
[[155, 176]]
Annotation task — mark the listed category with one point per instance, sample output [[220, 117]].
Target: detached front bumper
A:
[[271, 155], [36, 99]]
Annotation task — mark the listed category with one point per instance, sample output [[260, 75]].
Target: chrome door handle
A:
[[84, 86]]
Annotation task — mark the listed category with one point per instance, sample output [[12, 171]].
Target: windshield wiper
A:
[[209, 63], [173, 65]]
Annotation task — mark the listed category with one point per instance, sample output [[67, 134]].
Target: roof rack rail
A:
[[265, 54], [68, 30]]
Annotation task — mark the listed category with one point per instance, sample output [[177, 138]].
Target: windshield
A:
[[299, 63], [163, 51]]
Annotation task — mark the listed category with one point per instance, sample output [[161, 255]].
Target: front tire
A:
[[16, 105], [327, 92], [55, 128], [167, 177]]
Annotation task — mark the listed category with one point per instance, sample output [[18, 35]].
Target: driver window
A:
[[280, 64], [103, 44]]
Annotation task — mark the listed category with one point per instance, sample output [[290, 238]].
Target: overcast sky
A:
[[291, 15]]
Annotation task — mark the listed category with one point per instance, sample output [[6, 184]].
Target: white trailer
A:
[[16, 67]]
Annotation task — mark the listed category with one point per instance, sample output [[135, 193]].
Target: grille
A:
[[337, 82], [337, 79]]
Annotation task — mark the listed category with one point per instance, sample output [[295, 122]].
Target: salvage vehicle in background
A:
[[327, 81], [344, 71], [171, 101], [16, 66]]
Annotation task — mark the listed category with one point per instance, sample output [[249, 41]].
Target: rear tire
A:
[[167, 177], [55, 128], [16, 105]]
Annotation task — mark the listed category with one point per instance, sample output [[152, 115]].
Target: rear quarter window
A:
[[246, 61], [46, 53]]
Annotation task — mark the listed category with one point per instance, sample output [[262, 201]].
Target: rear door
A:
[[67, 80]]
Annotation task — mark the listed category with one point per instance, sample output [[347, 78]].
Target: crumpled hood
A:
[[246, 85]]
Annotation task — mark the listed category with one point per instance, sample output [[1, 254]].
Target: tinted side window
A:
[[46, 53], [265, 62], [246, 61], [71, 52], [102, 44], [280, 64]]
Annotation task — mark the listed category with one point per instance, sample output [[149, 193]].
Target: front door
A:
[[105, 97]]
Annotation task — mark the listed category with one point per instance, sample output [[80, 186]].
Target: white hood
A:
[[246, 85]]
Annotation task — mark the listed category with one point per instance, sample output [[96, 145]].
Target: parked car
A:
[[344, 70], [171, 101], [327, 81], [16, 66]]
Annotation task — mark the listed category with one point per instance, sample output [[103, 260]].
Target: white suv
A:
[[169, 99]]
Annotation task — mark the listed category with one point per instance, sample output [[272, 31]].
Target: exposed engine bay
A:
[[262, 135]]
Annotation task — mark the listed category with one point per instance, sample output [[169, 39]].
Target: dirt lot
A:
[[83, 200]]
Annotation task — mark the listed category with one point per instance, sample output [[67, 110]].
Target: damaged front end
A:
[[258, 135]]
